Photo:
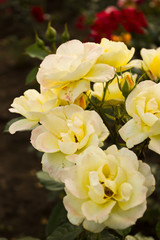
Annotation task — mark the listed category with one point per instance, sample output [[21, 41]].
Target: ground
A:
[[23, 202]]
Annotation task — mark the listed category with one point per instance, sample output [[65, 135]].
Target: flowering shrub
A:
[[90, 100], [109, 21]]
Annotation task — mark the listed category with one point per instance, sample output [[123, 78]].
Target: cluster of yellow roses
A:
[[103, 187]]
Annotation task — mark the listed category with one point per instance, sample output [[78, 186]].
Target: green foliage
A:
[[158, 229], [31, 75], [58, 216], [6, 129], [48, 182], [66, 231], [104, 235], [124, 232], [35, 51]]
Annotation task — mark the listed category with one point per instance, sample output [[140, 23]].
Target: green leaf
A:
[[104, 235], [3, 238], [48, 182], [28, 238], [57, 217], [67, 231], [35, 51], [32, 75], [124, 232], [158, 229], [8, 124]]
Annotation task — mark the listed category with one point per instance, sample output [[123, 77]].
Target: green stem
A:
[[54, 47], [98, 235], [104, 92], [106, 123]]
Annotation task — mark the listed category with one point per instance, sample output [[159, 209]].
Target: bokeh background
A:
[[24, 204]]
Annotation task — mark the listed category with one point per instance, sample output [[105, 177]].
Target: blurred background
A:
[[23, 208]]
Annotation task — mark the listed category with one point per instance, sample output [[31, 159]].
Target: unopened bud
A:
[[126, 85], [51, 33], [82, 101], [65, 34], [39, 41]]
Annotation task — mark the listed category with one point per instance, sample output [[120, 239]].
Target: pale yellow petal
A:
[[21, 125], [100, 73], [54, 164], [97, 212]]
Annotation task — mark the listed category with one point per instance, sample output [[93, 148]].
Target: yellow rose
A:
[[143, 105], [32, 105], [115, 54], [151, 62], [113, 93], [73, 66], [72, 92], [106, 188], [138, 236], [69, 129]]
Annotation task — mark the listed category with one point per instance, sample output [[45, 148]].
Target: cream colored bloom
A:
[[73, 92], [138, 236], [113, 93], [143, 105], [32, 106], [69, 129], [115, 54], [151, 62], [106, 188], [73, 63]]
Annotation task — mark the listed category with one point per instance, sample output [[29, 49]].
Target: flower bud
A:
[[82, 101], [51, 33], [127, 85], [39, 41], [65, 34]]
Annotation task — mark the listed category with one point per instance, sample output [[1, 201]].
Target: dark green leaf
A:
[[35, 51], [48, 182], [57, 217], [6, 129], [3, 238], [106, 235], [124, 232], [31, 75], [158, 229], [67, 231]]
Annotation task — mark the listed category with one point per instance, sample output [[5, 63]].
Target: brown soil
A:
[[23, 202]]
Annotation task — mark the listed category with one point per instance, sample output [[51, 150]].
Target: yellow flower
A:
[[138, 236], [143, 105], [72, 92], [151, 62], [106, 188], [74, 62], [115, 54], [32, 105], [68, 129], [113, 93]]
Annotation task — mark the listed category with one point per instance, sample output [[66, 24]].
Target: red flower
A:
[[80, 23], [2, 1], [38, 14], [133, 20], [105, 24]]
